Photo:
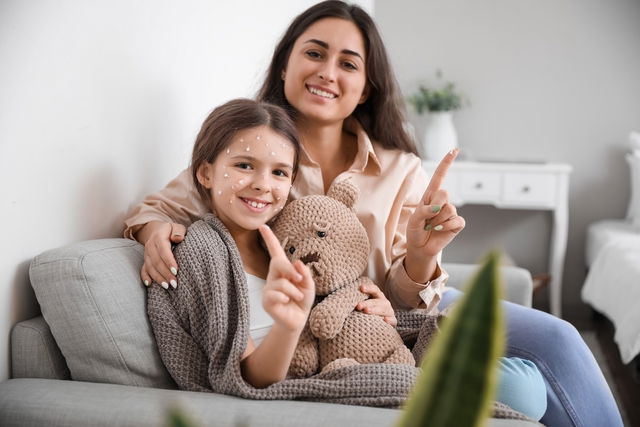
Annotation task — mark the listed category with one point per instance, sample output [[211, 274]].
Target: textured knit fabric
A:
[[325, 234], [202, 329], [391, 184]]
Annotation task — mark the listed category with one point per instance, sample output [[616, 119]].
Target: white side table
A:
[[531, 186]]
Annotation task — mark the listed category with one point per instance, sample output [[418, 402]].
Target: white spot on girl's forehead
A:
[[241, 139], [219, 192], [228, 151], [273, 153], [247, 149], [226, 175], [258, 137]]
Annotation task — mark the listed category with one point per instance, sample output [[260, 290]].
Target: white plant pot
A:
[[440, 135]]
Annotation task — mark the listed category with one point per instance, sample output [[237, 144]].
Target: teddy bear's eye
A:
[[292, 250], [321, 233]]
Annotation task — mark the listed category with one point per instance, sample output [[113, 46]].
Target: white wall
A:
[[552, 80], [99, 105]]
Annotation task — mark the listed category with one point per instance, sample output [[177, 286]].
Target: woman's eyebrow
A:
[[326, 46]]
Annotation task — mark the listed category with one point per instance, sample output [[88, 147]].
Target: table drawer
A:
[[529, 189], [479, 185]]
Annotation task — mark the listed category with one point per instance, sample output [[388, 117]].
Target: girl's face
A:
[[325, 78], [249, 181]]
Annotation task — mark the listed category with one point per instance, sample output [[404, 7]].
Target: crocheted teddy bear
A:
[[325, 234]]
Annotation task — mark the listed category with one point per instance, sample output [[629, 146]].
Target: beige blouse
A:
[[391, 184]]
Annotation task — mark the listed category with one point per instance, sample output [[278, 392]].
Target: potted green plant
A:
[[439, 101]]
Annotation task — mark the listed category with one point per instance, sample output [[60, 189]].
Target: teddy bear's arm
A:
[[328, 317], [306, 359]]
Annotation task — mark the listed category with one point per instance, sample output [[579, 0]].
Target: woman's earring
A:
[[282, 75]]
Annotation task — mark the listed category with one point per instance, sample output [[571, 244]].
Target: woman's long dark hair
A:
[[382, 114]]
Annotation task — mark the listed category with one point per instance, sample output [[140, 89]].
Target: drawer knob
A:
[[526, 189], [478, 186]]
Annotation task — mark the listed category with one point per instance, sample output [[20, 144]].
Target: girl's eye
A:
[[321, 234], [243, 165], [280, 172], [292, 250]]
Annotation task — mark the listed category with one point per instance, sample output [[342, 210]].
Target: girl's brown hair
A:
[[382, 114], [225, 121]]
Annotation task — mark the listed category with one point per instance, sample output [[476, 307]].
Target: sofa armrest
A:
[[34, 352], [517, 281]]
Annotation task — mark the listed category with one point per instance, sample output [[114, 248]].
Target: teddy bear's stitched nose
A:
[[312, 257]]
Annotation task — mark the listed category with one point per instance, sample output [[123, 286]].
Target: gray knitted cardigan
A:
[[202, 328]]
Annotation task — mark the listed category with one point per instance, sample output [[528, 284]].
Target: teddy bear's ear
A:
[[345, 192]]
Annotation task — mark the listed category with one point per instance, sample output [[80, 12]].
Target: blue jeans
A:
[[577, 393]]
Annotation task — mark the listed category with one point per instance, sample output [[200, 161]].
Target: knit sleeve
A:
[[170, 317]]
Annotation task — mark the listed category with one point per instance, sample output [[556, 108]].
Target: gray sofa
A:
[[91, 360]]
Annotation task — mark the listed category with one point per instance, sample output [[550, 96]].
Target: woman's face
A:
[[325, 78], [249, 181]]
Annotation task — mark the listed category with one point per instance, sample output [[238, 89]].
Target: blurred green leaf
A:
[[458, 382], [443, 97]]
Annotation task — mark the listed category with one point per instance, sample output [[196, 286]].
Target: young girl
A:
[[331, 72], [243, 163]]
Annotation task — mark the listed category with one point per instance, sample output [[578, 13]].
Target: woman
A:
[[340, 89]]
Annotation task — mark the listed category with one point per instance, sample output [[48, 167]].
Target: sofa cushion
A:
[[53, 403], [92, 298]]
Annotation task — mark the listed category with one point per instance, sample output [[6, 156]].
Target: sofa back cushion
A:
[[92, 298]]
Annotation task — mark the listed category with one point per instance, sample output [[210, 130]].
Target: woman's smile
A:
[[322, 92]]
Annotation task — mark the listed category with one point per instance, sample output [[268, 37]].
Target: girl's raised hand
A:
[[435, 222], [289, 292]]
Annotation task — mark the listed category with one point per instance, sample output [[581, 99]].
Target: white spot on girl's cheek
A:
[[228, 151], [258, 137], [219, 192], [240, 182], [226, 175], [273, 153], [247, 149]]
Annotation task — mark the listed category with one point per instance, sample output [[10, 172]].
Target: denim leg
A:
[[577, 393]]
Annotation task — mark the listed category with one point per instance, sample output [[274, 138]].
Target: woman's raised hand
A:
[[159, 264], [289, 292], [434, 223]]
